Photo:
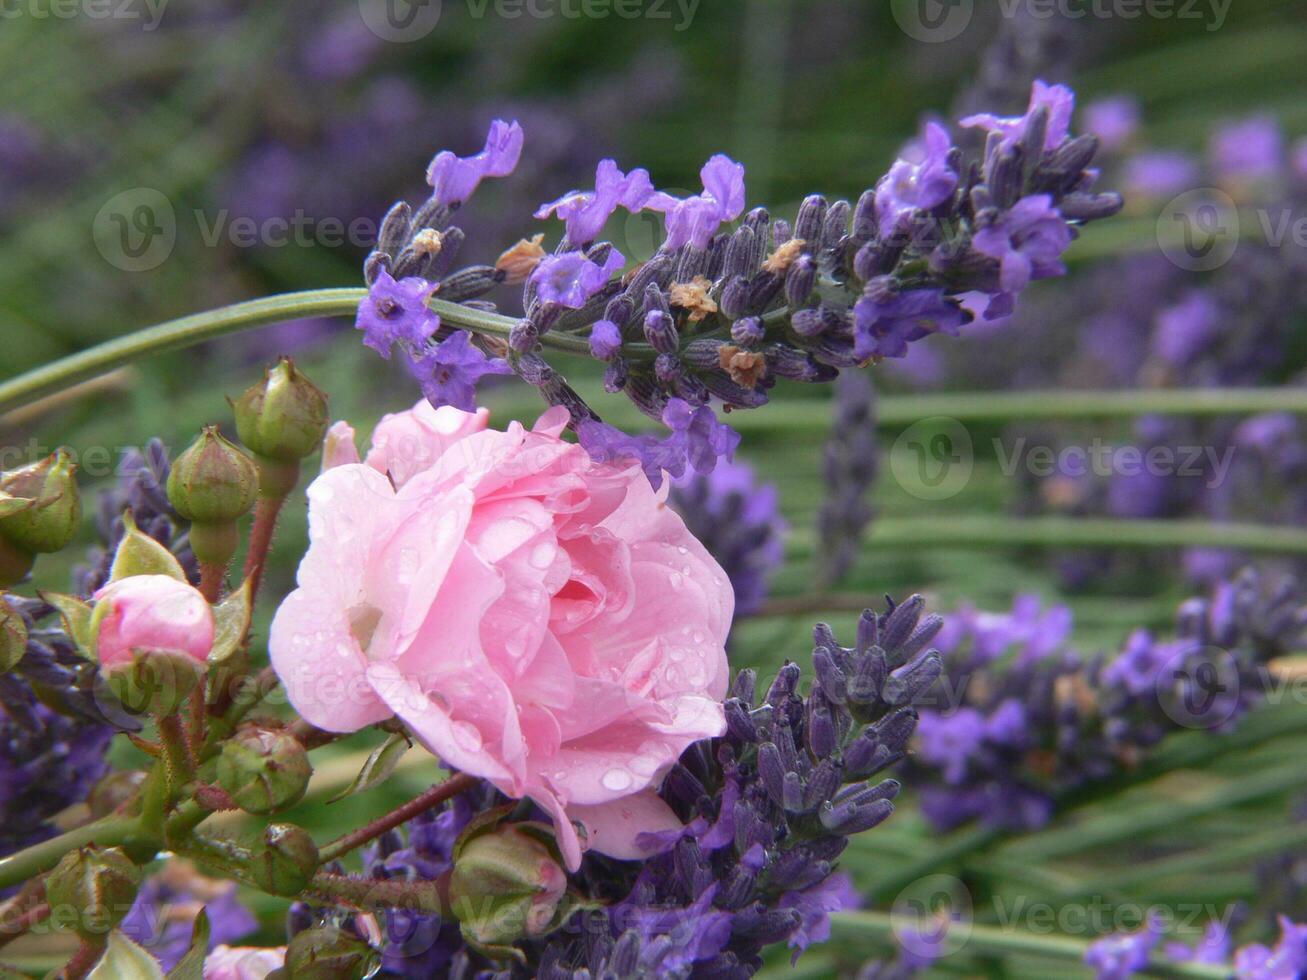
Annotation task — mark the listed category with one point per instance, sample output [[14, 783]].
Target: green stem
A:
[[984, 940], [16, 869], [177, 749], [424, 897], [1074, 532], [175, 335]]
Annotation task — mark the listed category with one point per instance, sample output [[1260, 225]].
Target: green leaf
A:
[[231, 619], [77, 619], [191, 966], [378, 767], [140, 554], [124, 960]]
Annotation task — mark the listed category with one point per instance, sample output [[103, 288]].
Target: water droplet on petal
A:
[[616, 780]]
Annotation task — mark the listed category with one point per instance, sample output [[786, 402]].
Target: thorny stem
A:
[[433, 797], [424, 897], [265, 527], [87, 955]]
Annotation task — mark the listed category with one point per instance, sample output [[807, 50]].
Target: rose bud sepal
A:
[[263, 770], [13, 637], [40, 506], [326, 953], [96, 887]]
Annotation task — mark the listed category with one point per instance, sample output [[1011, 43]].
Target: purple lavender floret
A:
[[454, 178], [586, 212], [570, 279], [1016, 733], [1120, 957], [739, 521]]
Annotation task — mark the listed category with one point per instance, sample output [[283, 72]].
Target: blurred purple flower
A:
[[1120, 956], [1250, 149], [1161, 173], [1185, 330], [1113, 120]]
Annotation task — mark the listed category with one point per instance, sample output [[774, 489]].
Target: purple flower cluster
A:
[[719, 316], [1028, 720], [739, 522], [768, 809]]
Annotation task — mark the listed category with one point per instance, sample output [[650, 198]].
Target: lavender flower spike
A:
[[586, 212], [1027, 242], [454, 178], [696, 219], [571, 279]]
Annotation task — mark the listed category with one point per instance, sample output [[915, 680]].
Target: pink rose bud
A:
[[151, 614], [243, 962], [152, 634], [537, 619]]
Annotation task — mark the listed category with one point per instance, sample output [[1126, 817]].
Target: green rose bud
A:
[[284, 860], [506, 885], [263, 770], [13, 637], [284, 418], [214, 481], [324, 953], [92, 890], [40, 506]]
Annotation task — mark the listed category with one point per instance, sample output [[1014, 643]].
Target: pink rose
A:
[[243, 962], [539, 620], [151, 612]]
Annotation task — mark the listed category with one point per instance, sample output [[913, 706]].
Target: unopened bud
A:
[[284, 417], [152, 635], [284, 860], [214, 481], [40, 504], [264, 770], [13, 637], [326, 953], [506, 885], [94, 887]]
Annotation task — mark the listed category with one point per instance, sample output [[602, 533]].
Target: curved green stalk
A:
[[983, 940]]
